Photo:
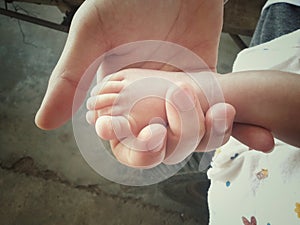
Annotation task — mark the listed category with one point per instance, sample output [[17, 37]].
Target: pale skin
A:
[[253, 94], [105, 94], [270, 99], [101, 25]]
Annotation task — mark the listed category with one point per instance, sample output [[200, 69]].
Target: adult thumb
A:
[[84, 44]]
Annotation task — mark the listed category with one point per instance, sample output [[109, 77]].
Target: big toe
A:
[[112, 127], [154, 137], [148, 150]]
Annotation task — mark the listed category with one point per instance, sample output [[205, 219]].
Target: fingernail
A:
[[220, 120], [183, 99], [220, 126]]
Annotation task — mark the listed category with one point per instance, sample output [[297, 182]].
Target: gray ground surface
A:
[[43, 177]]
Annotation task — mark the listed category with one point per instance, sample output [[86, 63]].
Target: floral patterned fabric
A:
[[254, 188], [250, 187]]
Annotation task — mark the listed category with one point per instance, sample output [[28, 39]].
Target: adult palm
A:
[[100, 25]]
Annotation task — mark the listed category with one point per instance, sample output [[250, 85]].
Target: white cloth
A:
[[253, 184], [270, 2], [282, 53]]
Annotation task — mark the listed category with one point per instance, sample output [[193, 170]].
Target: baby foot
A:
[[137, 112]]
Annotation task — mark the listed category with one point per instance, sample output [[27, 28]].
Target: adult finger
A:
[[84, 44], [255, 137], [218, 122], [186, 123]]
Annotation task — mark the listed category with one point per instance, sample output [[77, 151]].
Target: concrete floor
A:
[[43, 177]]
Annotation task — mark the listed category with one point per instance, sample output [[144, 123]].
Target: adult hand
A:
[[100, 25]]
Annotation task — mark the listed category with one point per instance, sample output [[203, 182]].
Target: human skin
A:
[[179, 104], [254, 95], [266, 98], [101, 25]]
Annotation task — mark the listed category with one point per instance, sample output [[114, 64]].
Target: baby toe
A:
[[148, 150], [101, 101], [154, 135], [107, 87], [112, 127]]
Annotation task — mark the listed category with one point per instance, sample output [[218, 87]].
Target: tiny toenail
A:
[[90, 103], [157, 139], [90, 117], [183, 99], [121, 127]]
